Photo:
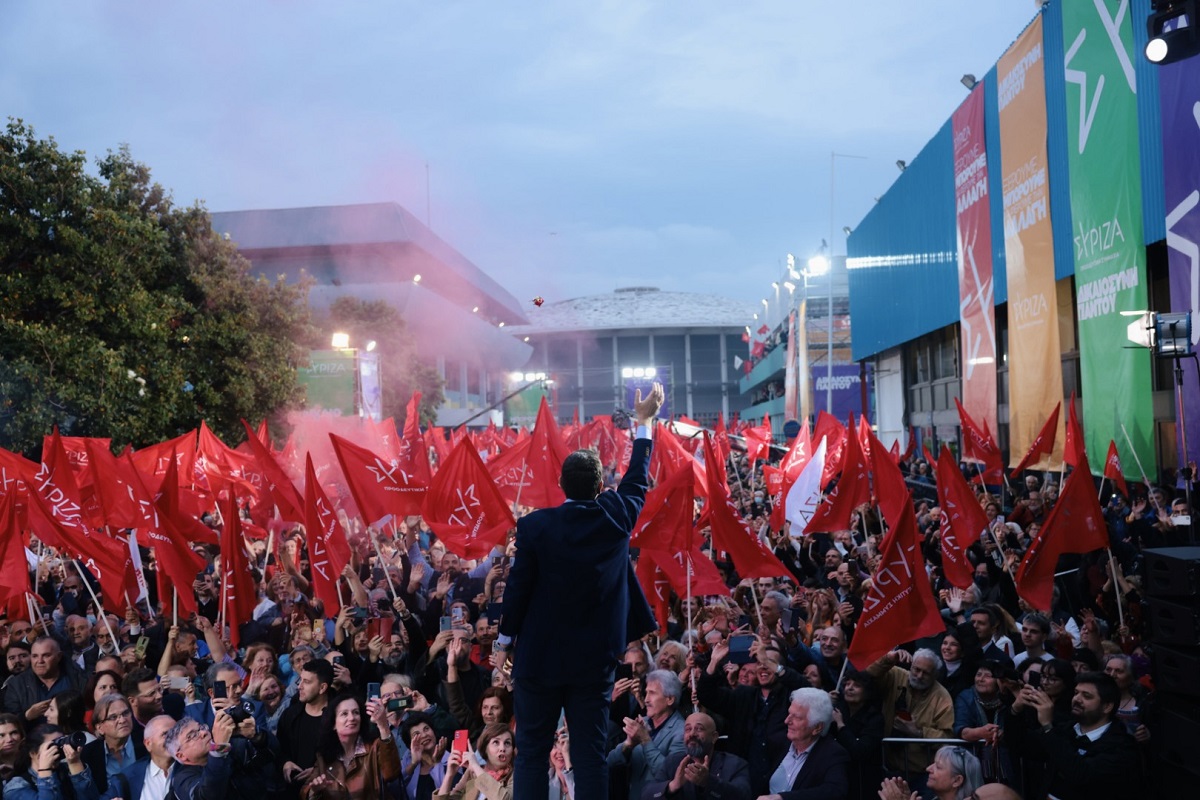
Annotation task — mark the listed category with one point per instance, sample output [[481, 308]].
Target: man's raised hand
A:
[[647, 408]]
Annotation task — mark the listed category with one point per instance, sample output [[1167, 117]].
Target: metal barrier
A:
[[928, 745]]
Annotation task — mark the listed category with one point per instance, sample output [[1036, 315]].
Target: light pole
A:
[[821, 265]]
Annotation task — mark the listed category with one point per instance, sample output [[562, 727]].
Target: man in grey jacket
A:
[[652, 739]]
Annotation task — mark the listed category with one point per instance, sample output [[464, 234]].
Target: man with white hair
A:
[[815, 765], [915, 706], [652, 739]]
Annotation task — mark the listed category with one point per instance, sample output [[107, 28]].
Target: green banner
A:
[[1106, 210], [329, 381]]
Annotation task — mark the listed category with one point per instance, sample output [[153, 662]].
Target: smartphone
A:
[[445, 624], [359, 613], [458, 615], [398, 704], [339, 661], [178, 682], [1035, 679], [499, 561], [379, 626], [318, 628], [462, 741], [624, 672], [372, 691], [494, 610], [378, 576], [739, 649], [143, 642], [218, 690]]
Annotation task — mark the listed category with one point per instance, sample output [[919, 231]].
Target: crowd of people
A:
[[745, 695]]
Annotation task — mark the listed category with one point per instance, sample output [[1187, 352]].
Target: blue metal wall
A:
[[904, 278], [903, 255]]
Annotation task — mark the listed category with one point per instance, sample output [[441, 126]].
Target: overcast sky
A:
[[573, 147]]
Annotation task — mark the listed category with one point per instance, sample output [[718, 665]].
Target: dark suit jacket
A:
[[572, 601], [128, 785], [1110, 767], [824, 775], [728, 779], [93, 755]]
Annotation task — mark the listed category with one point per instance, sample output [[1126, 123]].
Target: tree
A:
[[124, 316], [401, 371]]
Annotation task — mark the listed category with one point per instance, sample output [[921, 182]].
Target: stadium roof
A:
[[638, 308]]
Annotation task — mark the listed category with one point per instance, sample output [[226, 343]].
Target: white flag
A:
[[805, 495]]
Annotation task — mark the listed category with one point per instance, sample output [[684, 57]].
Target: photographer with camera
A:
[[225, 694], [231, 760], [48, 751], [115, 749]]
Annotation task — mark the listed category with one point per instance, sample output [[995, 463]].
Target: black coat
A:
[[1109, 767], [824, 775]]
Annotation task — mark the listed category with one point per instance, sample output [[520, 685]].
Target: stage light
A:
[[340, 341], [1172, 30], [969, 81]]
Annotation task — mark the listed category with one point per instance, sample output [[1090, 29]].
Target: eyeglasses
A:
[[198, 732], [126, 714], [152, 693]]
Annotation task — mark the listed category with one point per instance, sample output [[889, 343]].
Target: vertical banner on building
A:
[[1106, 209], [790, 396], [976, 292], [803, 369], [1179, 91], [1034, 358]]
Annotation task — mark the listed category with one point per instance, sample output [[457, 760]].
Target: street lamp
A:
[[821, 265]]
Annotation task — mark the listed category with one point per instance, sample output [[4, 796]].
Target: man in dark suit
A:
[[815, 766], [700, 772], [571, 605], [152, 773], [1094, 758]]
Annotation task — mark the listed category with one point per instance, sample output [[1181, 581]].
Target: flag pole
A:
[[1141, 469], [690, 623], [175, 604], [1112, 568], [96, 600], [520, 486], [845, 663], [1100, 493]]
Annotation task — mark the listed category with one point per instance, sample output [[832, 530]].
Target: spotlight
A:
[[651, 372], [417, 278], [1172, 29], [639, 372], [340, 341], [818, 265], [627, 372], [531, 376], [516, 377], [371, 346], [846, 229], [475, 310], [968, 81], [501, 325], [902, 165]]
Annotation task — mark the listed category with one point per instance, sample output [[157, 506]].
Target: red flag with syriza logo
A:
[[279, 486], [852, 490], [543, 462], [328, 548], [834, 434], [413, 456], [238, 597], [979, 446], [463, 506], [900, 606], [750, 556], [962, 521], [705, 579], [655, 586], [14, 569], [665, 522], [380, 488], [1073, 449], [1112, 469]]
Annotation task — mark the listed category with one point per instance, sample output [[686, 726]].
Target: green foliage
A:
[[401, 372], [124, 316]]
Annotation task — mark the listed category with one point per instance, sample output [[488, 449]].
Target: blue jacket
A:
[[648, 762], [572, 601]]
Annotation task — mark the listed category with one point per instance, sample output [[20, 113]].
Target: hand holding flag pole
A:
[[96, 600]]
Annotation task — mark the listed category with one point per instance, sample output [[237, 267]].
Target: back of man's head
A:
[[582, 475]]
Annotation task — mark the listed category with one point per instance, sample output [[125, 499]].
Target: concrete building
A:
[[379, 251]]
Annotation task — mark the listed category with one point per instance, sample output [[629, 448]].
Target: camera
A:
[[76, 740], [240, 712]]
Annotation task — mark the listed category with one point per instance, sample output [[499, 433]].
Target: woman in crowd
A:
[[42, 778], [821, 612], [1131, 710], [259, 662], [274, 698], [102, 683], [14, 759], [858, 727], [1058, 682], [352, 757], [955, 774], [957, 673], [424, 768], [492, 779], [67, 713], [562, 776]]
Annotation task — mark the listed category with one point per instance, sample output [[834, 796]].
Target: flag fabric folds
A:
[[962, 521], [1043, 443], [463, 506]]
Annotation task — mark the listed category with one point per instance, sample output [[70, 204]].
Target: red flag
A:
[[1073, 449], [852, 490], [1075, 525], [413, 457], [14, 569], [891, 492], [665, 522], [721, 437], [1112, 469], [116, 487], [962, 521], [835, 445], [758, 441], [237, 584], [543, 463], [706, 578], [436, 438], [463, 506], [510, 473], [169, 506], [730, 533], [178, 564], [1043, 443], [894, 452], [930, 460], [379, 488], [978, 446], [151, 461], [328, 549], [279, 486], [900, 606], [912, 445], [655, 586]]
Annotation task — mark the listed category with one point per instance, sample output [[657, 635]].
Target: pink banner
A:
[[976, 291]]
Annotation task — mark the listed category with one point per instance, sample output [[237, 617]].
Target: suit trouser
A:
[[537, 705]]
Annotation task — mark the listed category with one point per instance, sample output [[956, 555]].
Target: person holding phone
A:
[[571, 605], [493, 778], [350, 755]]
